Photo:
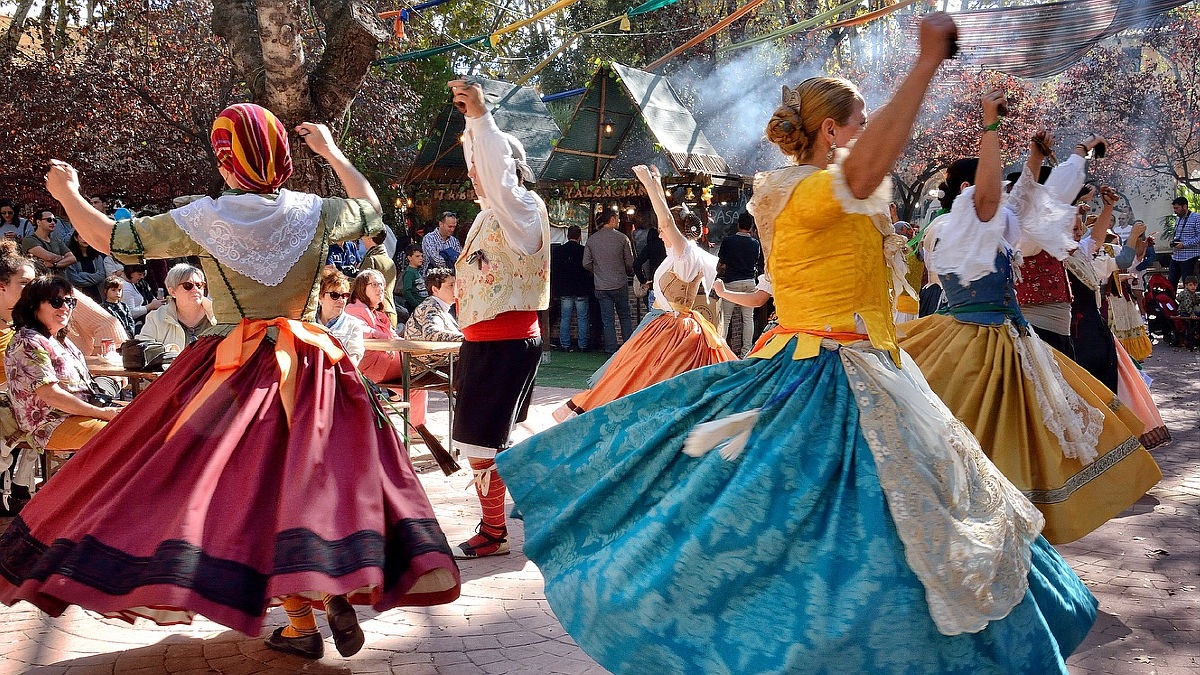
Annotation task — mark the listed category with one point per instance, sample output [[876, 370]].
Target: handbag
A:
[[145, 355], [103, 391]]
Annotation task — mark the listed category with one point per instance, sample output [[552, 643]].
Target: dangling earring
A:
[[829, 155]]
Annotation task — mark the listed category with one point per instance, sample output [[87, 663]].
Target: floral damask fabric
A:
[[785, 559], [32, 360]]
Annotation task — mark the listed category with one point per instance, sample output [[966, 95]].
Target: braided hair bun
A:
[[795, 124]]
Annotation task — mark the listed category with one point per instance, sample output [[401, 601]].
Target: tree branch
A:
[[352, 37], [237, 22]]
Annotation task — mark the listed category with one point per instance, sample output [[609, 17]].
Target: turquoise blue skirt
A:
[[785, 559]]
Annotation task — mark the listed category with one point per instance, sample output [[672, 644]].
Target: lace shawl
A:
[[1075, 423], [258, 237], [967, 530]]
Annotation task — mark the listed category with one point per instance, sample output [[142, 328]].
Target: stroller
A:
[[1160, 309]]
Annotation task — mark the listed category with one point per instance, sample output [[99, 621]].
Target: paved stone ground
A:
[[1143, 566]]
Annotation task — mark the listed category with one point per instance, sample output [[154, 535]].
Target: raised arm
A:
[[62, 181], [881, 143], [987, 174], [1100, 228], [494, 170], [320, 141], [652, 181]]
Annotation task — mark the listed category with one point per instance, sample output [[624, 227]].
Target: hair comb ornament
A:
[[791, 98]]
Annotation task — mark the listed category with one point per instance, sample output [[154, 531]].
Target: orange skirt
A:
[[667, 346]]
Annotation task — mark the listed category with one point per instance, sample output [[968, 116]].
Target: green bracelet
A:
[[993, 126]]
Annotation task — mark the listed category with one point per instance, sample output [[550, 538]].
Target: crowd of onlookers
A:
[[62, 301]]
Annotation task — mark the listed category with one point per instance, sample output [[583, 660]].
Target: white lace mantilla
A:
[[256, 236], [967, 530], [1067, 415]]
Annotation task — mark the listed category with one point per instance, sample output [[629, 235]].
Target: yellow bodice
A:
[[829, 272]]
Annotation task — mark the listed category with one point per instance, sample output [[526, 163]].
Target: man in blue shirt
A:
[[1185, 244]]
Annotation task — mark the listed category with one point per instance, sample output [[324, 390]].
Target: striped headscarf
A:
[[252, 144]]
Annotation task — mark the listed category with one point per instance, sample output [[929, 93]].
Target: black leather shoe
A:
[[343, 621], [305, 646]]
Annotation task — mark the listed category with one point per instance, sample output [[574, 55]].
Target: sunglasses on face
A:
[[335, 296], [69, 301], [6, 212], [193, 285]]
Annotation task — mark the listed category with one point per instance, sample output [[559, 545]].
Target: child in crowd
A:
[[1189, 300], [411, 283], [1189, 306], [110, 291]]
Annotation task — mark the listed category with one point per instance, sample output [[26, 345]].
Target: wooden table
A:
[[138, 379], [410, 348]]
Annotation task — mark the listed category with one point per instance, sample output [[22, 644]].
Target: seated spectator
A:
[[112, 304], [48, 380], [366, 305], [12, 226], [411, 283], [136, 293], [16, 271], [331, 313], [88, 271], [49, 254], [431, 320], [377, 259], [187, 314], [345, 257]]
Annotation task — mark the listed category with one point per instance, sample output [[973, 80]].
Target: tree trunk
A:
[[16, 30], [266, 48]]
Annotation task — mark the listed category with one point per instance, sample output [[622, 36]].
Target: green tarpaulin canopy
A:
[[604, 119], [517, 110]]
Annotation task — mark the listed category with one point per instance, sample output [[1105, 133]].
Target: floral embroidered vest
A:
[[493, 278]]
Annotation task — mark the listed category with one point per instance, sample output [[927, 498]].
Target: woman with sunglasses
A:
[[48, 380], [331, 313], [276, 479], [186, 314]]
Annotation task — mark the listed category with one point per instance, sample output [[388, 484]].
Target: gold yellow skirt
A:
[[976, 371]]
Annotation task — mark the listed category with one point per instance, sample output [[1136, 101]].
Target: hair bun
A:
[[786, 131]]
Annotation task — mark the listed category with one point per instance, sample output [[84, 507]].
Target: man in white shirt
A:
[[503, 281]]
